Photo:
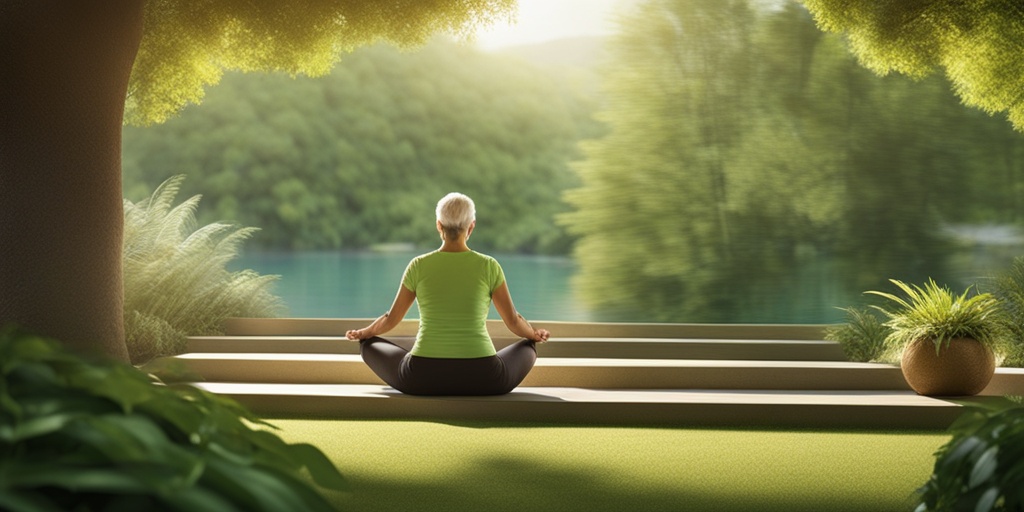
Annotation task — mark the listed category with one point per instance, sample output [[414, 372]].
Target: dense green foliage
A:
[[934, 313], [982, 467], [976, 44], [82, 435], [361, 157], [862, 336], [1008, 286], [751, 158], [187, 45], [175, 280]]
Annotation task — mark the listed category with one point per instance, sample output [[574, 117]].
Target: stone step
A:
[[681, 408], [620, 348], [593, 373], [338, 327]]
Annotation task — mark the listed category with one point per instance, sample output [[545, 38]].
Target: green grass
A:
[[422, 466]]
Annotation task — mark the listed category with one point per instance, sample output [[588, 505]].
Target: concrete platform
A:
[[620, 348], [589, 373], [597, 373], [711, 408]]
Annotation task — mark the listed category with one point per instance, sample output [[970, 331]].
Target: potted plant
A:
[[947, 341]]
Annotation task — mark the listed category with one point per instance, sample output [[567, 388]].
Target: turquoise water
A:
[[333, 284]]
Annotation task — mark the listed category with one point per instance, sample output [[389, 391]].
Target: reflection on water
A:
[[363, 284]]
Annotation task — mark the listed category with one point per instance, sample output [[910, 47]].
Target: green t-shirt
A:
[[453, 291]]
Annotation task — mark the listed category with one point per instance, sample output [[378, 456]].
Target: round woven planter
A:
[[962, 368]]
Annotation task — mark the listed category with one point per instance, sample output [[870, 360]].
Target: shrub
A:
[[86, 435], [982, 467], [175, 280], [862, 336], [1009, 288]]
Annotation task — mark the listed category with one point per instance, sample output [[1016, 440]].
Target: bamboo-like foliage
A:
[[1009, 288], [935, 313], [862, 336], [175, 279]]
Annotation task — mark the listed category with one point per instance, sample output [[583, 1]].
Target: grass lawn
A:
[[424, 466]]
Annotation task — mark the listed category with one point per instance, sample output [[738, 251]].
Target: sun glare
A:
[[546, 20]]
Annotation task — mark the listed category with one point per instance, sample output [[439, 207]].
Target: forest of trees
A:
[[732, 154], [361, 156], [749, 155]]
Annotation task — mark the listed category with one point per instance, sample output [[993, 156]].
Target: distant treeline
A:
[[361, 157], [753, 170]]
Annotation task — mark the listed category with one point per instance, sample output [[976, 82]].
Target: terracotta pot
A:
[[962, 368]]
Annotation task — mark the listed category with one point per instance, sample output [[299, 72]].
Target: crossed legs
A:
[[493, 375]]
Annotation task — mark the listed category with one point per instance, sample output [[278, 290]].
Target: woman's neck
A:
[[454, 245]]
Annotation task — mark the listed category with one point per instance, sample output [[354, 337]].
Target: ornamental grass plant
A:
[[176, 283], [1008, 286], [936, 314], [862, 336]]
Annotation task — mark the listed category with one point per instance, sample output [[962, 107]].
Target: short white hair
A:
[[456, 212]]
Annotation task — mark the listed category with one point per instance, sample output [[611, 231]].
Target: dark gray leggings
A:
[[414, 375]]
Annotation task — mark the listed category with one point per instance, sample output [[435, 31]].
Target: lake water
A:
[[332, 284], [363, 284]]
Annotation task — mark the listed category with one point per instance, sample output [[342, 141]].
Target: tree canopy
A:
[[978, 45], [187, 45]]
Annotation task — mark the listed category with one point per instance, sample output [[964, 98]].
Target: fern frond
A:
[[175, 276]]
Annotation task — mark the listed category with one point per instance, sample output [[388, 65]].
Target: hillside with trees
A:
[[361, 156]]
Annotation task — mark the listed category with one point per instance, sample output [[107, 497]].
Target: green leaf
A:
[[35, 427], [253, 489], [987, 500], [77, 479], [197, 499], [984, 468]]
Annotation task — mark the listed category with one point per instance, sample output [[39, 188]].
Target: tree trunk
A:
[[64, 69]]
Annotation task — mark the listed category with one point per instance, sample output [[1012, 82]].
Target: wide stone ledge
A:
[[621, 348], [682, 408]]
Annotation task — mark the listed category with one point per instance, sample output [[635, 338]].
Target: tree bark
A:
[[64, 69]]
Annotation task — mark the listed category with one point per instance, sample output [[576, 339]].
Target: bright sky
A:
[[545, 20]]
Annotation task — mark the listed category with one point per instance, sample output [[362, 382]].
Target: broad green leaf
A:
[[78, 479], [35, 427], [198, 499], [987, 500], [985, 467]]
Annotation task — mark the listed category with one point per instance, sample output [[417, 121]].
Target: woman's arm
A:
[[513, 320], [387, 321]]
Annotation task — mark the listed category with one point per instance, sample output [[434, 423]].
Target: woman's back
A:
[[453, 291]]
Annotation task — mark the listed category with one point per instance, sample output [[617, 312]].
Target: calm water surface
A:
[[332, 284], [335, 284]]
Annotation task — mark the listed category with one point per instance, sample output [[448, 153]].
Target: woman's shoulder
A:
[[486, 257]]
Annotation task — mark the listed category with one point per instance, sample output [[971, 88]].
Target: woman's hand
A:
[[357, 334], [541, 335]]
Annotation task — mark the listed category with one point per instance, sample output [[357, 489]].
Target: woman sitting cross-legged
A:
[[453, 353]]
